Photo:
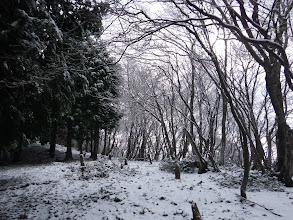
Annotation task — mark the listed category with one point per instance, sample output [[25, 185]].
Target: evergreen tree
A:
[[53, 71], [28, 34], [79, 21], [97, 90]]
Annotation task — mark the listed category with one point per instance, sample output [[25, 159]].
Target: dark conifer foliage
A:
[[54, 69]]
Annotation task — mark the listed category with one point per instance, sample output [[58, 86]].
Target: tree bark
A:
[[286, 147], [245, 152], [53, 140], [177, 172], [87, 142], [80, 143], [165, 131], [69, 141], [195, 212], [284, 140], [142, 147], [94, 155], [185, 145], [202, 163], [17, 153], [129, 142], [104, 152], [158, 147], [223, 140], [224, 108]]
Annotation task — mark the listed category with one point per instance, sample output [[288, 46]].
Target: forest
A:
[[187, 82]]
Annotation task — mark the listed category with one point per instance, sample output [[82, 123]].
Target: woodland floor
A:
[[58, 190]]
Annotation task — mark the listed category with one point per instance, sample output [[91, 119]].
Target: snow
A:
[[140, 190]]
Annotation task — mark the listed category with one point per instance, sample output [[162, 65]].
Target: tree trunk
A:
[[113, 145], [195, 212], [80, 143], [177, 172], [94, 155], [245, 152], [17, 153], [223, 140], [286, 171], [256, 155], [165, 131], [53, 140], [104, 152], [269, 141], [185, 146], [203, 165], [224, 109], [87, 142], [158, 147], [171, 124], [143, 146], [129, 142], [92, 142], [284, 140], [200, 127], [69, 141]]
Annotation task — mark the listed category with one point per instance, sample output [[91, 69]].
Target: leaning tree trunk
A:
[[203, 165]]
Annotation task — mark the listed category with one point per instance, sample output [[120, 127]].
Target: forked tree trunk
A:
[[203, 165]]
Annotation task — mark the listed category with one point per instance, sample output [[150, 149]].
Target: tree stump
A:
[[150, 159], [195, 212], [177, 172], [82, 165], [81, 159]]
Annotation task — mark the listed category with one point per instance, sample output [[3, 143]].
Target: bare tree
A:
[[262, 27]]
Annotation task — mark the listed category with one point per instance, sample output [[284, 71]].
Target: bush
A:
[[186, 165]]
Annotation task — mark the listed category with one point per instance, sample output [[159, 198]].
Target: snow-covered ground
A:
[[139, 190]]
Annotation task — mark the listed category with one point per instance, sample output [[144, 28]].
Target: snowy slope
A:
[[138, 191]]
